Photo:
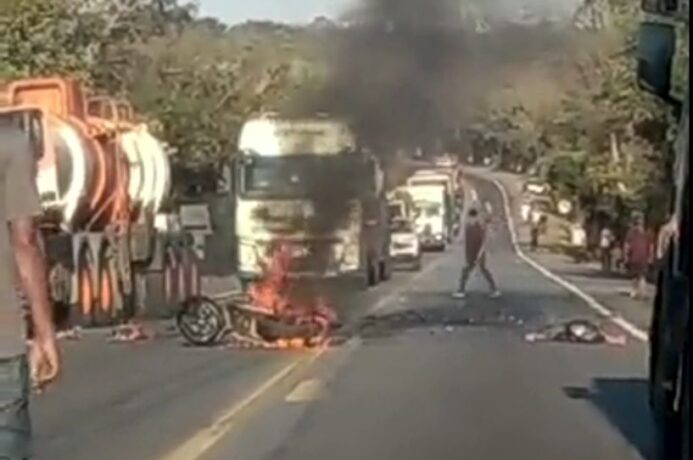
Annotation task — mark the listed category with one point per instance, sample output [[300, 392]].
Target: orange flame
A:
[[273, 295]]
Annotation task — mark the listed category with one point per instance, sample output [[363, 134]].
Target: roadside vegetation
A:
[[565, 105]]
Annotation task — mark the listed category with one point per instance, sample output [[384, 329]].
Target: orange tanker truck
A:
[[102, 179]]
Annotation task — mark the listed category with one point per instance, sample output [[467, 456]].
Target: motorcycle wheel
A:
[[201, 321]]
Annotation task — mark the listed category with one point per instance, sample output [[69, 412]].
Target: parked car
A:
[[405, 249]]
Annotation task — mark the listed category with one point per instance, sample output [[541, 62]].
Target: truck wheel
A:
[[416, 265], [372, 276], [195, 278], [384, 270], [156, 303], [104, 311], [189, 277], [170, 278], [86, 298]]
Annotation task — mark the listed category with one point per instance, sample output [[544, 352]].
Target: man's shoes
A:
[[459, 295], [495, 294]]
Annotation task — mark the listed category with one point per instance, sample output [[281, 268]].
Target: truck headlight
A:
[[350, 255], [248, 254]]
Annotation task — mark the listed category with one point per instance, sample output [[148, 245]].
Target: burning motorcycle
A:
[[269, 315]]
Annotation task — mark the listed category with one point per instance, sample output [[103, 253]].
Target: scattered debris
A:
[[74, 333], [131, 332], [576, 331]]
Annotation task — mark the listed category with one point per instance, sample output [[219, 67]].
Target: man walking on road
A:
[[475, 239], [21, 259]]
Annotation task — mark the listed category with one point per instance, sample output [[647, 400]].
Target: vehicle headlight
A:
[[248, 255], [350, 254]]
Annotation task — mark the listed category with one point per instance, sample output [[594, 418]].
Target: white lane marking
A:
[[620, 321], [475, 195], [396, 293], [306, 391], [196, 446]]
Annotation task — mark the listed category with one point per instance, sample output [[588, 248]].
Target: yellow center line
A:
[[206, 438], [201, 442]]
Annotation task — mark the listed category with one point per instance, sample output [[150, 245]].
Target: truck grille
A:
[[313, 256]]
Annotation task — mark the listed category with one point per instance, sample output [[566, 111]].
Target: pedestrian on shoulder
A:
[[638, 253], [606, 241], [475, 241], [21, 263]]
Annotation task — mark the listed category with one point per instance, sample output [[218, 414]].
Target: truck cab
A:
[[306, 183], [433, 211]]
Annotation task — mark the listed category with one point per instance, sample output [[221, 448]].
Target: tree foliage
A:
[[194, 80], [590, 105], [566, 96]]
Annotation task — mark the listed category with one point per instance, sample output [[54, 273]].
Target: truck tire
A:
[[154, 302], [371, 275], [416, 265], [189, 276], [384, 270], [83, 313], [170, 277], [104, 309]]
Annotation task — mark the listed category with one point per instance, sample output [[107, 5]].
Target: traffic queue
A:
[[425, 212]]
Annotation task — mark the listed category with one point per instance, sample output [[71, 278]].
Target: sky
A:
[[291, 11], [303, 11]]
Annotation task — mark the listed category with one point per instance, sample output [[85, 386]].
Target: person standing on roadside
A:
[[475, 240], [21, 260], [637, 252], [606, 241]]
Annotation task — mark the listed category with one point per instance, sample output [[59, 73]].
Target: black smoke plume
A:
[[395, 72]]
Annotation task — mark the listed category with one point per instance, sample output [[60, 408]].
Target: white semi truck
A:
[[305, 182], [433, 212]]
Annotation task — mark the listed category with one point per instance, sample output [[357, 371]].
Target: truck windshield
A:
[[301, 176], [426, 182], [428, 209]]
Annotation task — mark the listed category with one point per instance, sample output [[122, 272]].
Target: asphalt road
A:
[[427, 377], [421, 377]]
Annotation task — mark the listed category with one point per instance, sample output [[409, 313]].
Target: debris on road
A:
[[577, 331], [74, 333], [130, 333]]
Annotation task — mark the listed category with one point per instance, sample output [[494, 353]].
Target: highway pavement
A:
[[418, 376]]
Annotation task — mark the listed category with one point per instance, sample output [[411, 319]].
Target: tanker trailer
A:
[[102, 179]]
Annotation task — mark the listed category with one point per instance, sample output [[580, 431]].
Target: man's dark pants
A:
[[469, 268], [15, 425]]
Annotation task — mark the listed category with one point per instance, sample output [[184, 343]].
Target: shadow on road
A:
[[623, 402]]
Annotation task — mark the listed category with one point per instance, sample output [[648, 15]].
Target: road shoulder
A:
[[607, 292]]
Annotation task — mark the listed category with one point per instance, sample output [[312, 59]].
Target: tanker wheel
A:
[[194, 277], [171, 279], [189, 277], [86, 301], [105, 312]]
